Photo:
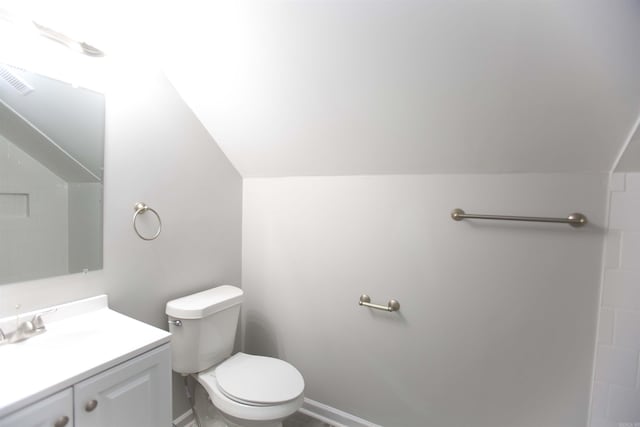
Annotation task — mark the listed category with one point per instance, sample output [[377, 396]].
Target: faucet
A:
[[26, 329]]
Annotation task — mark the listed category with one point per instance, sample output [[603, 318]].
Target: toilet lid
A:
[[258, 379]]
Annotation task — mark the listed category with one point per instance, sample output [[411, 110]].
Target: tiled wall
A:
[[616, 392]]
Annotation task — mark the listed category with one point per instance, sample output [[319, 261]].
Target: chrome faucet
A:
[[26, 329]]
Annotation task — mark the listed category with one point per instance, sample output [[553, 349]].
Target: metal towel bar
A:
[[574, 220], [392, 305]]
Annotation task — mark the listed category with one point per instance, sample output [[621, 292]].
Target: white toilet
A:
[[246, 390]]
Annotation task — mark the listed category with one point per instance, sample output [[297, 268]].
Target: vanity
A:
[[90, 366]]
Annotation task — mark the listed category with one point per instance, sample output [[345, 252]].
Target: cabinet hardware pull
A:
[[61, 422], [91, 405]]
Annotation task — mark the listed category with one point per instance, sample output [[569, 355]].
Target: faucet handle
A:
[[38, 322]]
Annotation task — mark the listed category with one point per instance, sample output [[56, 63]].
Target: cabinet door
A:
[[136, 393], [53, 411]]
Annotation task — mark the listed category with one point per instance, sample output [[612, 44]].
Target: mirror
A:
[[51, 176]]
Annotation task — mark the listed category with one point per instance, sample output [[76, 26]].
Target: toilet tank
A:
[[208, 322]]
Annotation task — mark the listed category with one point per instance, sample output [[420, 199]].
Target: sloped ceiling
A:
[[378, 86]]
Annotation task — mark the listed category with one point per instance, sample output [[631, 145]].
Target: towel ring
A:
[[141, 207]]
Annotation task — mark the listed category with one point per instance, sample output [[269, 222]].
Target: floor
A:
[[296, 420], [301, 420]]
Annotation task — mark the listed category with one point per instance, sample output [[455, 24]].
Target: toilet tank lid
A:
[[205, 303]]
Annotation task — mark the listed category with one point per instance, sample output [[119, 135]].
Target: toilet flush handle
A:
[[176, 322]]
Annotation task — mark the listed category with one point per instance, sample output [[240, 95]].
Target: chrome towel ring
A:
[[141, 207]]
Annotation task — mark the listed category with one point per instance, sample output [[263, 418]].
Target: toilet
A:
[[240, 390]]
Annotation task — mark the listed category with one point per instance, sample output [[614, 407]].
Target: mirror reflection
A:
[[51, 176]]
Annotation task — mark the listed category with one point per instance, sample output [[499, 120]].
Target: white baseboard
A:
[[185, 420], [333, 416], [311, 408]]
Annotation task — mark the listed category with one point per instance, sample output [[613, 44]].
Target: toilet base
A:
[[210, 416]]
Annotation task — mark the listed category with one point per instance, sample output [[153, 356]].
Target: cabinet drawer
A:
[[53, 411]]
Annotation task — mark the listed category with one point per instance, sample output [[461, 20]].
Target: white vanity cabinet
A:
[[92, 367], [135, 393], [53, 411]]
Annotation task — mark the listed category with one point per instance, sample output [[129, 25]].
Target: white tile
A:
[[625, 211], [616, 365], [630, 251], [612, 249], [621, 289], [624, 404], [600, 400], [632, 182], [605, 326], [617, 182], [626, 332]]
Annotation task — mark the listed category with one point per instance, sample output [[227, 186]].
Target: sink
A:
[[82, 338]]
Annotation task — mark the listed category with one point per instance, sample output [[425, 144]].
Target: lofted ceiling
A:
[[434, 86], [343, 87]]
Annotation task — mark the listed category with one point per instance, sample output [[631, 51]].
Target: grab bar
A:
[[574, 220], [392, 305]]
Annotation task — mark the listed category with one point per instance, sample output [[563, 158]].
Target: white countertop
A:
[[82, 339]]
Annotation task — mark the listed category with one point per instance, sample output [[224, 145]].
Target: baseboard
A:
[[311, 408], [185, 420], [333, 416]]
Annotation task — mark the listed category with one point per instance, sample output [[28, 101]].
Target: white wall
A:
[[616, 390], [630, 159], [497, 320], [33, 238], [156, 152]]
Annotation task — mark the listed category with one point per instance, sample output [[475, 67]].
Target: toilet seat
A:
[[236, 401], [258, 380]]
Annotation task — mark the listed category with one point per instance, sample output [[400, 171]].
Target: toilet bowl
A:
[[253, 390], [242, 390]]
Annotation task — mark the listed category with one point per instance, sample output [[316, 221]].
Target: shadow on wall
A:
[[259, 335]]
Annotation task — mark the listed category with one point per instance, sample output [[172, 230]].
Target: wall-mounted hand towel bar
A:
[[574, 220], [392, 305]]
